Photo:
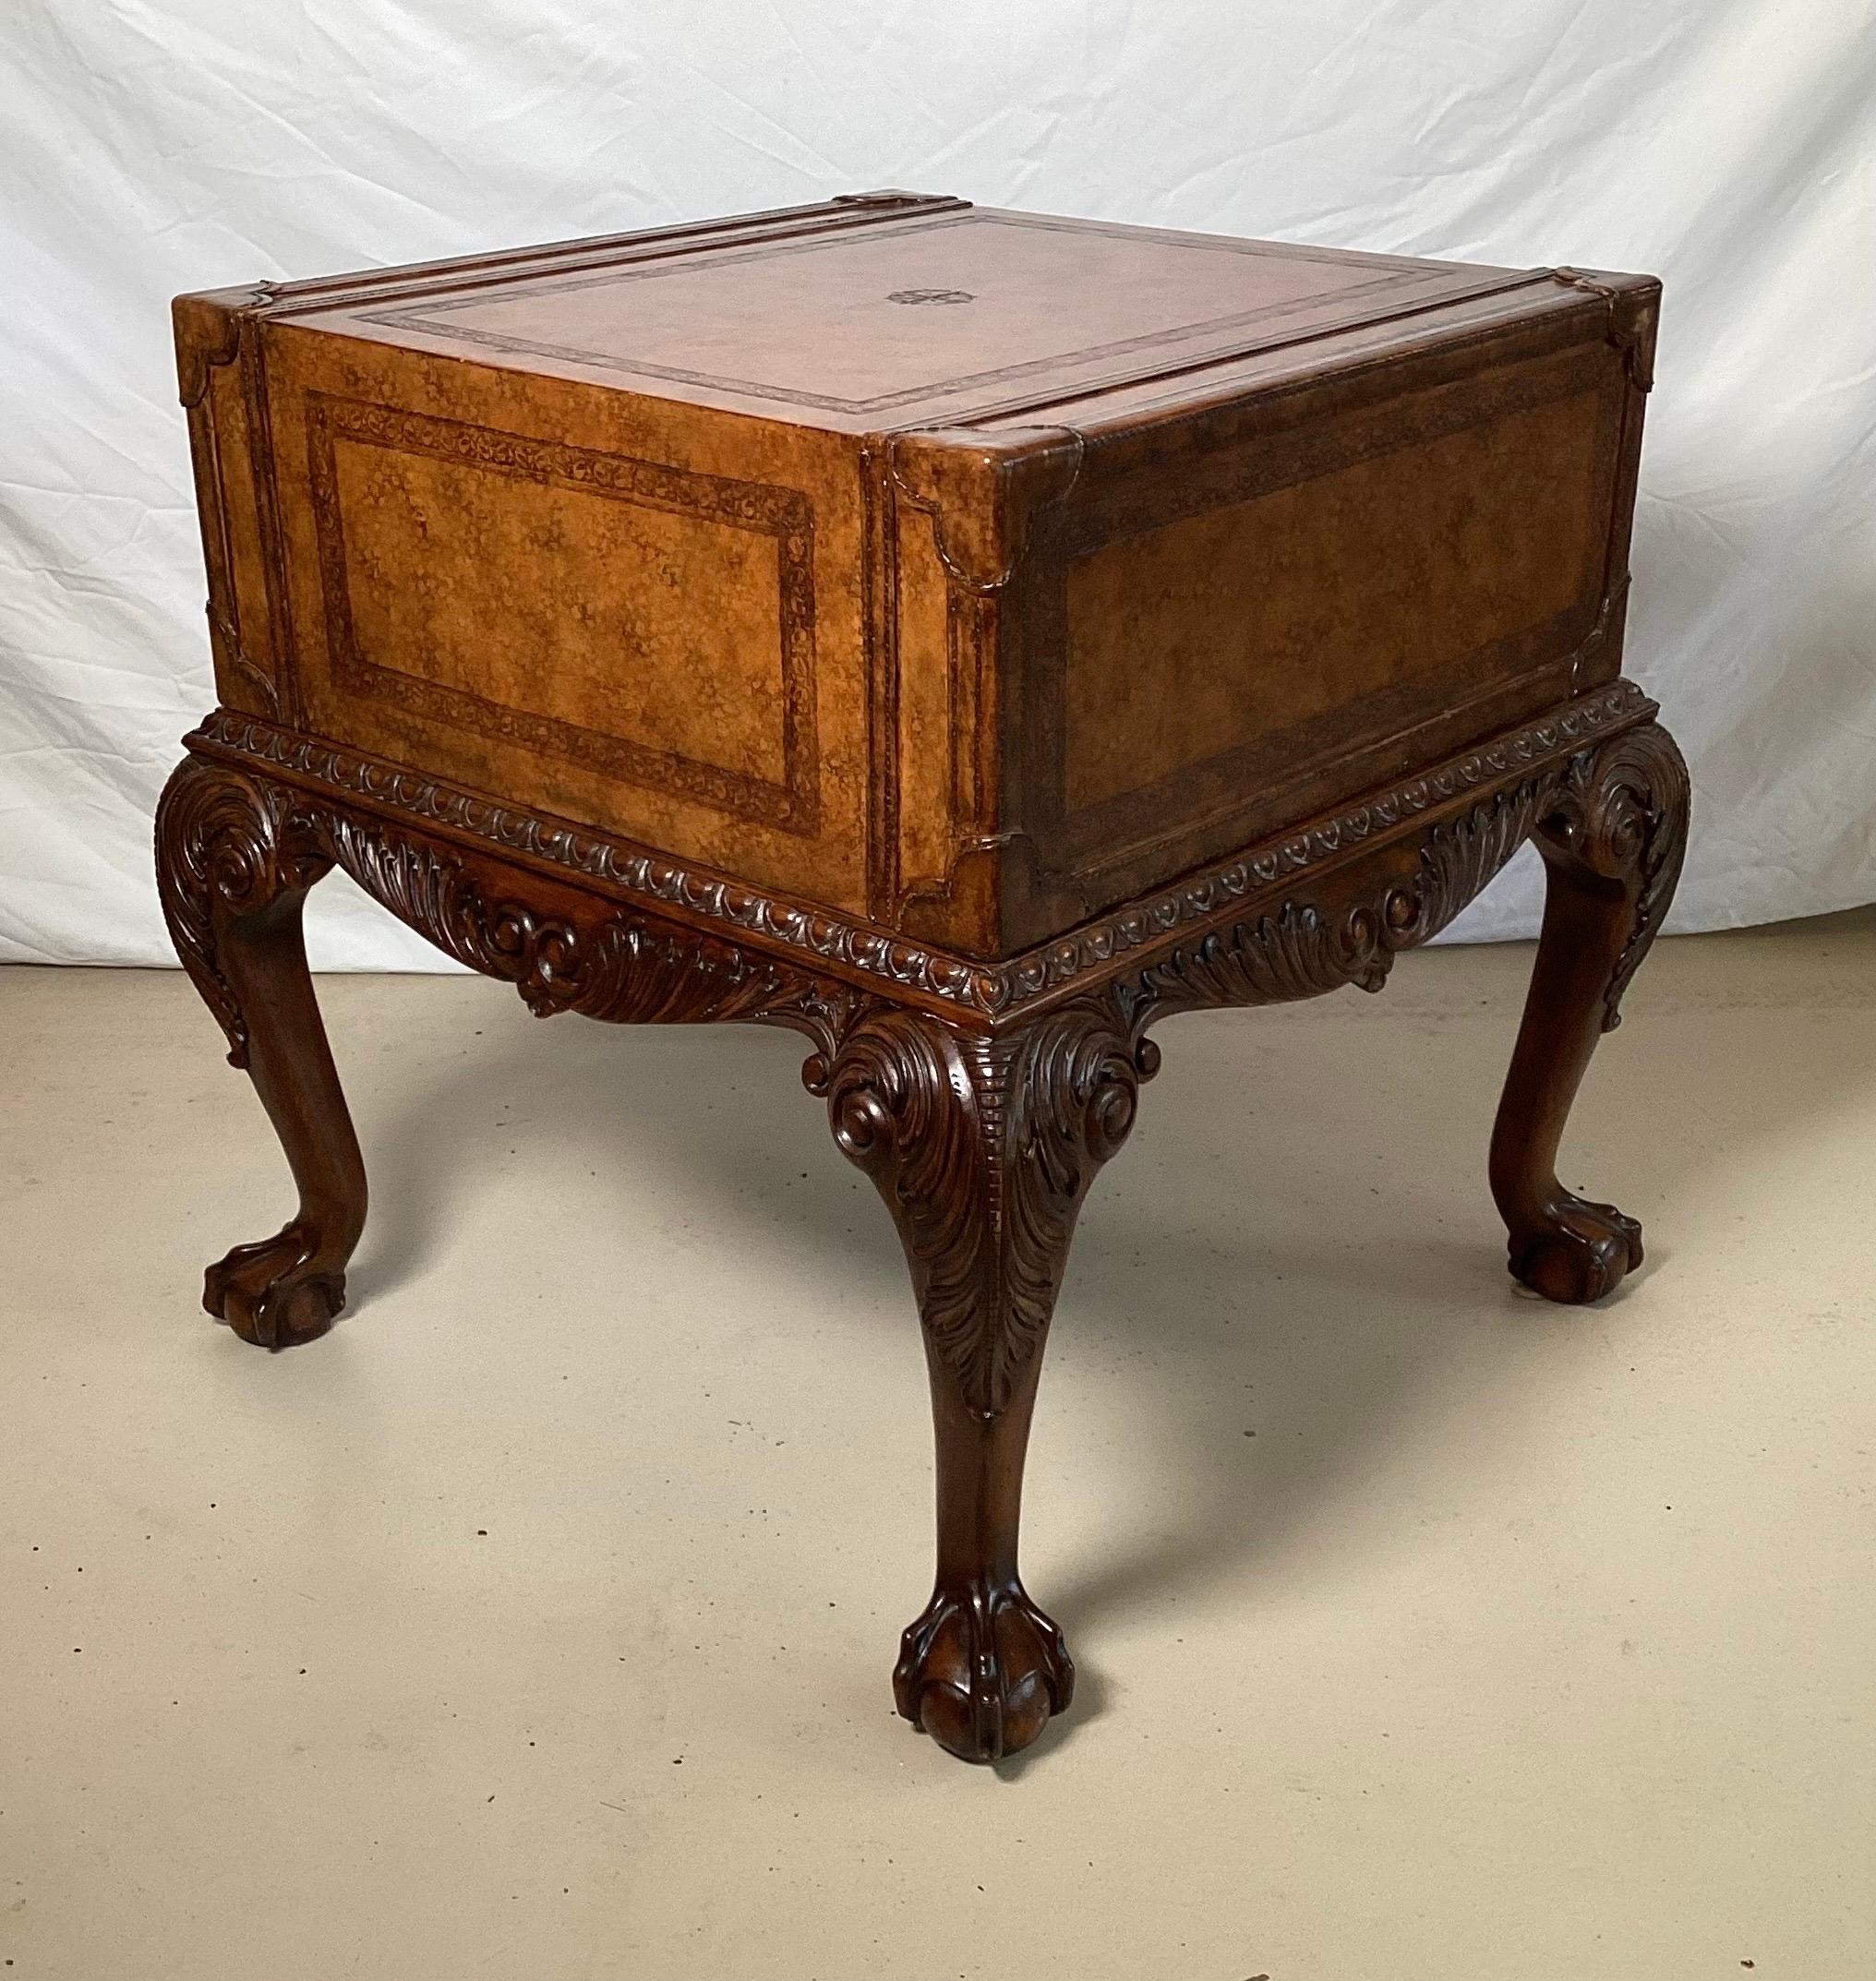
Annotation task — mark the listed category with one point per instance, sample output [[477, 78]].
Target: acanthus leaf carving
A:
[[984, 1146], [228, 845], [1621, 811], [620, 966], [1350, 928]]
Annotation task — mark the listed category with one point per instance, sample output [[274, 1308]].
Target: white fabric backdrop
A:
[[149, 146]]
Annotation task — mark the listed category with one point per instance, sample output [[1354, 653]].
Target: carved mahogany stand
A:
[[980, 1098], [964, 636]]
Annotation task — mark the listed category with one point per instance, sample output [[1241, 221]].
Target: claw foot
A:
[[1586, 1252], [270, 1293], [981, 1671]]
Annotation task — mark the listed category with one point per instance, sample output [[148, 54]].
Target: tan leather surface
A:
[[429, 561], [911, 317], [872, 323], [1190, 640], [653, 628]]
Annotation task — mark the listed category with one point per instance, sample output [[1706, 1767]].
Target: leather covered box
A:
[[964, 639], [965, 572]]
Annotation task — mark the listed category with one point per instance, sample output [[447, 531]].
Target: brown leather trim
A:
[[843, 214]]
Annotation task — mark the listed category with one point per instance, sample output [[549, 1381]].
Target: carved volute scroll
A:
[[982, 1147], [226, 846], [1621, 815], [981, 491]]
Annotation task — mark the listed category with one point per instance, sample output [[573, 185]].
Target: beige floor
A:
[[536, 1623]]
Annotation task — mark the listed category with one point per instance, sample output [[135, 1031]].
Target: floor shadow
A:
[[1281, 1285], [731, 1118]]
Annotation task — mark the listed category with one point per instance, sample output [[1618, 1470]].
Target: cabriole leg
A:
[[982, 1148], [234, 871], [1612, 848]]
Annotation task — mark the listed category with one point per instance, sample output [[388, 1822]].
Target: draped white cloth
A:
[[149, 146]]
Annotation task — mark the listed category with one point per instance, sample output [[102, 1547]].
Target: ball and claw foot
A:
[[271, 1293], [981, 1671], [1586, 1252]]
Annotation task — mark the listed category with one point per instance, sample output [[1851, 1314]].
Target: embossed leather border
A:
[[1408, 285], [1209, 794], [989, 991], [764, 508]]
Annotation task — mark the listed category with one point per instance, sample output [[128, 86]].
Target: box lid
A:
[[887, 310]]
